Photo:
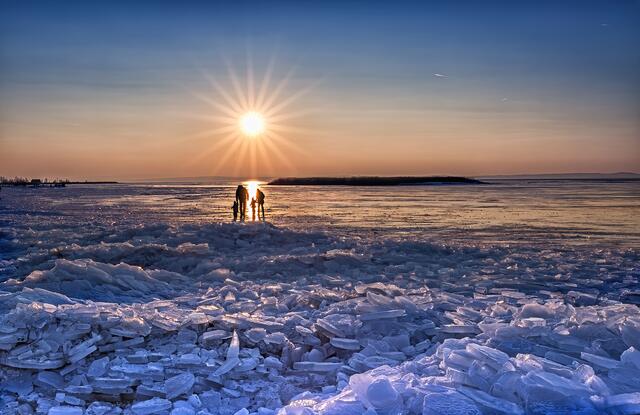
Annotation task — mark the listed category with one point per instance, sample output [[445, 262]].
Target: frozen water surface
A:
[[500, 299]]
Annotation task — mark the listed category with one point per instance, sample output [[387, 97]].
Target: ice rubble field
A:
[[251, 318]]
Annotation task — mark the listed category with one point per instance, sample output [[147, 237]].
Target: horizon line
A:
[[152, 179], [124, 180]]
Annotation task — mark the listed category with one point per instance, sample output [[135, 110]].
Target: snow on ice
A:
[[188, 319]]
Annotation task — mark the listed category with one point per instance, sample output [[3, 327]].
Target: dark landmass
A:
[[371, 181], [24, 182]]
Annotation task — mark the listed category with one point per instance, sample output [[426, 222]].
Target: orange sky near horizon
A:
[[108, 140]]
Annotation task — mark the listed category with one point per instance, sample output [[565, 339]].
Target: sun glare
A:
[[252, 124], [252, 187]]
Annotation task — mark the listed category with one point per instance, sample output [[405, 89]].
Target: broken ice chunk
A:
[[339, 325], [79, 389], [541, 380], [320, 367], [82, 353], [600, 361], [492, 357], [444, 401], [586, 375], [382, 395], [151, 406], [625, 403], [493, 404], [111, 385], [275, 338], [247, 364], [211, 400], [347, 344], [138, 371], [102, 408], [630, 331], [150, 391], [189, 360], [199, 318], [139, 357], [41, 363], [50, 379], [20, 385], [255, 334], [234, 347], [98, 367], [315, 355], [378, 315], [506, 386], [226, 366], [131, 327], [65, 410], [631, 357], [304, 331], [83, 346], [537, 310], [581, 298], [460, 329], [179, 385], [273, 363]]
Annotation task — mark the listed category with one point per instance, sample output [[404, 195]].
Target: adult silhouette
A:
[[242, 195], [260, 197]]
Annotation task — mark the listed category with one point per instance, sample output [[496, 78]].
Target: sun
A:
[[252, 124]]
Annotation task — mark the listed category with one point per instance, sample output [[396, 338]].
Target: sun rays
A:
[[251, 123]]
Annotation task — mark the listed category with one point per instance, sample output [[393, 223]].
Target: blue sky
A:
[[464, 87]]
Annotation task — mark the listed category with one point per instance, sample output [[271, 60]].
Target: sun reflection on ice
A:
[[252, 188]]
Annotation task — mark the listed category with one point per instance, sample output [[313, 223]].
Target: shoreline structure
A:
[[372, 181]]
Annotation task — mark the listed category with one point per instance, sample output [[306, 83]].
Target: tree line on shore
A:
[[25, 181]]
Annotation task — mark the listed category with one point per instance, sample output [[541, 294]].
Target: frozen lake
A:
[[511, 297], [603, 213]]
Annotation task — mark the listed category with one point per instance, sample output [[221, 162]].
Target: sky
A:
[[135, 90]]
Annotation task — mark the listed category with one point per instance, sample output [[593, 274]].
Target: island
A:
[[372, 181]]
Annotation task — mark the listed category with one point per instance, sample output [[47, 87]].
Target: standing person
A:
[[253, 209], [235, 210], [260, 197], [242, 195]]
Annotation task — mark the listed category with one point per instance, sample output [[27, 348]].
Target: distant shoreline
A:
[[98, 182], [51, 184], [371, 181]]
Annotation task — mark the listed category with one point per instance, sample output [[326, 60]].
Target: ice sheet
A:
[[220, 318]]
